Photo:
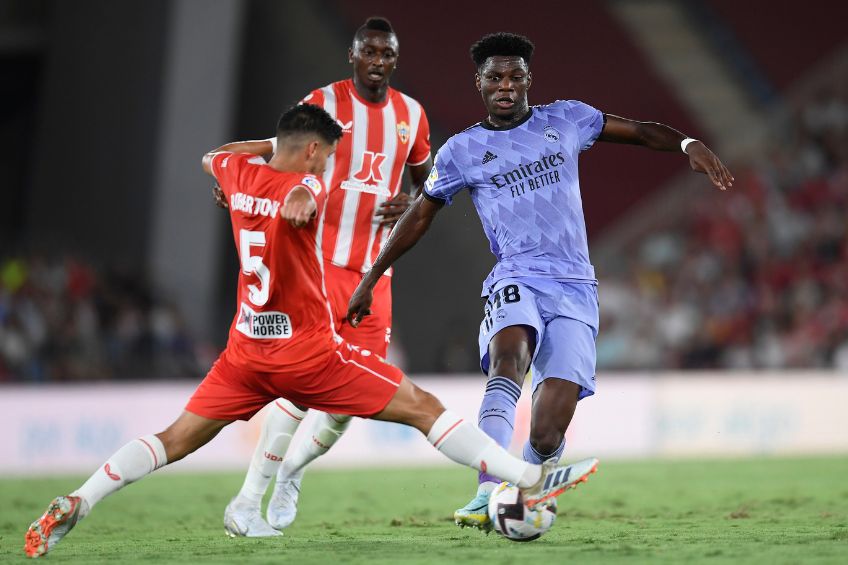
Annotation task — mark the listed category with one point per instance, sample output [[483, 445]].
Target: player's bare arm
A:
[[418, 175], [663, 138], [299, 207], [391, 210], [409, 229], [262, 147]]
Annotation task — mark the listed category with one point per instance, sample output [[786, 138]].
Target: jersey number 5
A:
[[253, 265]]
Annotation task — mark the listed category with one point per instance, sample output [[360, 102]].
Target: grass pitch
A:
[[771, 511]]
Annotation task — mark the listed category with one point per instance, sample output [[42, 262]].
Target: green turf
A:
[[771, 511]]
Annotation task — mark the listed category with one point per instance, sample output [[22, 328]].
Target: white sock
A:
[[465, 443], [486, 487], [136, 459], [326, 431], [279, 426]]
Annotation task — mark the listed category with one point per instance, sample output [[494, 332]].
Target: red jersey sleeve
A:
[[421, 146]]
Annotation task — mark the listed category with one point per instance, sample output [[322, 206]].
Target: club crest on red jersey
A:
[[403, 132]]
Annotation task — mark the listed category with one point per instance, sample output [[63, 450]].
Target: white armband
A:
[[273, 141], [685, 143]]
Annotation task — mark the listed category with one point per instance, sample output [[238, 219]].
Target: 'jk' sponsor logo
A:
[[371, 164], [370, 177]]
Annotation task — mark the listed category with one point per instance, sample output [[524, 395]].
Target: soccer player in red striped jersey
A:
[[283, 342], [384, 132]]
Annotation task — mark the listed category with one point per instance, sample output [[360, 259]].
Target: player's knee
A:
[[512, 364], [337, 423], [511, 351]]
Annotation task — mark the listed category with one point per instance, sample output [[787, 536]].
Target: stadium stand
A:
[[64, 320], [812, 31], [757, 278]]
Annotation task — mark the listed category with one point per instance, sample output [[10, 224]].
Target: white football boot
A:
[[556, 479], [43, 534], [282, 508], [244, 519]]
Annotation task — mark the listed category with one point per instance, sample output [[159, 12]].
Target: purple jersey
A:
[[523, 182]]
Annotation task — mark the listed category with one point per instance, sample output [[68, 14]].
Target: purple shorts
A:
[[565, 317]]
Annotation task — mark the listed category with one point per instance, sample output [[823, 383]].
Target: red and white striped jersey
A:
[[378, 141]]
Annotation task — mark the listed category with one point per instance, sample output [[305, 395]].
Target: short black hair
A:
[[308, 119], [502, 43], [374, 23]]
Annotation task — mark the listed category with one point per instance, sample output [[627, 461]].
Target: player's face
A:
[[503, 82], [374, 58]]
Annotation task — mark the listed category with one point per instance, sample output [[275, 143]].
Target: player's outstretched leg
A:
[[510, 355], [133, 461], [466, 444], [326, 431], [243, 515]]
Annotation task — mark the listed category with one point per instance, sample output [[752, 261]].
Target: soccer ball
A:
[[513, 520]]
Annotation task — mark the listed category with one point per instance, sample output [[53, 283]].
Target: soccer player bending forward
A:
[[282, 343], [384, 132], [520, 167]]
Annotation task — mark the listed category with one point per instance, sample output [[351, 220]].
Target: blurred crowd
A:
[[64, 320], [754, 278]]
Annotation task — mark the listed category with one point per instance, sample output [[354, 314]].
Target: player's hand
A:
[[703, 160], [360, 303], [299, 207], [220, 198], [390, 211]]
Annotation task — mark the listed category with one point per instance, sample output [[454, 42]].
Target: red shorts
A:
[[351, 381], [375, 330]]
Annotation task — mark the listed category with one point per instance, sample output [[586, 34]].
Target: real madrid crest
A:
[[403, 132], [551, 134]]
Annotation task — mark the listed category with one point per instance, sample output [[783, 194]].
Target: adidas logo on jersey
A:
[[489, 156]]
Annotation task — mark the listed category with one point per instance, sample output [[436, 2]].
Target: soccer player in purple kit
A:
[[520, 167]]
